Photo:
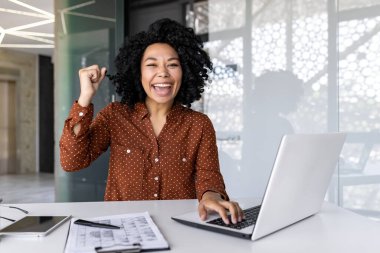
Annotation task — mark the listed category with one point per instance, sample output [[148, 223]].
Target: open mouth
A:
[[162, 89]]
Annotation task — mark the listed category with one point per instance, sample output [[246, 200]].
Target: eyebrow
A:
[[155, 59]]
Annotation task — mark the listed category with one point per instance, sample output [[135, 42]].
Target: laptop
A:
[[296, 188]]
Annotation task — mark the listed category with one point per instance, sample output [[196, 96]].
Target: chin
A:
[[162, 100]]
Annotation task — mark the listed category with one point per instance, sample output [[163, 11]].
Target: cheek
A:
[[145, 83], [145, 77], [178, 76]]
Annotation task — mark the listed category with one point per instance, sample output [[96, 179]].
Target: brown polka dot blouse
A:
[[181, 163]]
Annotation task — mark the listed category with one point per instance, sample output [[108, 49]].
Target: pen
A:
[[95, 224], [135, 247], [2, 217]]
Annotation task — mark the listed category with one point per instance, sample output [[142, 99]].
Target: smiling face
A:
[[161, 74]]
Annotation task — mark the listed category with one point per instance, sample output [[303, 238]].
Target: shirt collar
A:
[[175, 112], [141, 111]]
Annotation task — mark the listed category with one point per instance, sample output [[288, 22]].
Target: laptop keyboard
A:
[[250, 219]]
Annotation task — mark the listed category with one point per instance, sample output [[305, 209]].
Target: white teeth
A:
[[161, 85]]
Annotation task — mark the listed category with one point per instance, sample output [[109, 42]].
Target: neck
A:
[[158, 110]]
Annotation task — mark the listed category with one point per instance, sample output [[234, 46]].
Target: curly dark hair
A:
[[195, 62]]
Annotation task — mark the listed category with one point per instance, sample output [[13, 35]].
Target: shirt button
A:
[[156, 178], [128, 151], [184, 159], [81, 114], [155, 195], [156, 159]]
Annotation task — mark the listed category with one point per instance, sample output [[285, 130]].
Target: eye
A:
[[173, 65], [150, 65]]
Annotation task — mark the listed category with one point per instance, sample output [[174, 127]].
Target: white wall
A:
[[21, 68]]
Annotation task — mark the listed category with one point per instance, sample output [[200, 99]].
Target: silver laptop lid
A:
[[299, 180]]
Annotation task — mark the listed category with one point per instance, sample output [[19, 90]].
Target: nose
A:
[[163, 71]]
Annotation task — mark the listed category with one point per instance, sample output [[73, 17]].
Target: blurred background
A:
[[280, 66]]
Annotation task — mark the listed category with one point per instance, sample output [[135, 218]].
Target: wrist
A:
[[84, 101], [211, 195]]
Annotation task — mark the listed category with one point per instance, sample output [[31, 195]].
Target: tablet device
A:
[[34, 225]]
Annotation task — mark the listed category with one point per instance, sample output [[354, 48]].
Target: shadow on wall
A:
[[275, 95]]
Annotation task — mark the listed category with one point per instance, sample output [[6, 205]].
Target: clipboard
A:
[[138, 233]]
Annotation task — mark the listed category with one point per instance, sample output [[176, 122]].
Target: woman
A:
[[160, 148]]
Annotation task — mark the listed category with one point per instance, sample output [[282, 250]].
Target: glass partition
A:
[[294, 67], [359, 99], [85, 35]]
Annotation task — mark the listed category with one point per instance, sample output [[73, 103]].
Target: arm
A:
[[209, 181], [78, 150], [83, 141]]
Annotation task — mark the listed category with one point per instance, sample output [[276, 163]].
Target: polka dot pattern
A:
[[181, 163]]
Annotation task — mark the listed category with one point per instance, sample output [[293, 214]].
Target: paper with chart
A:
[[136, 228]]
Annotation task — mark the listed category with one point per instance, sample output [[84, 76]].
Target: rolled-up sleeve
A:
[[77, 151]]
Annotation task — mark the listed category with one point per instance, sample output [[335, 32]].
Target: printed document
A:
[[136, 229]]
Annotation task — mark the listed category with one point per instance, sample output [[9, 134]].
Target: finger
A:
[[88, 73], [202, 211], [241, 215], [98, 74], [95, 66], [92, 72], [221, 210], [233, 209], [94, 75], [90, 68], [237, 214], [223, 214], [240, 212], [103, 72]]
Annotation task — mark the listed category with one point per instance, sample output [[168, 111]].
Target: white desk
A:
[[332, 230]]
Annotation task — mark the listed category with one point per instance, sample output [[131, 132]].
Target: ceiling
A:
[[27, 25]]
